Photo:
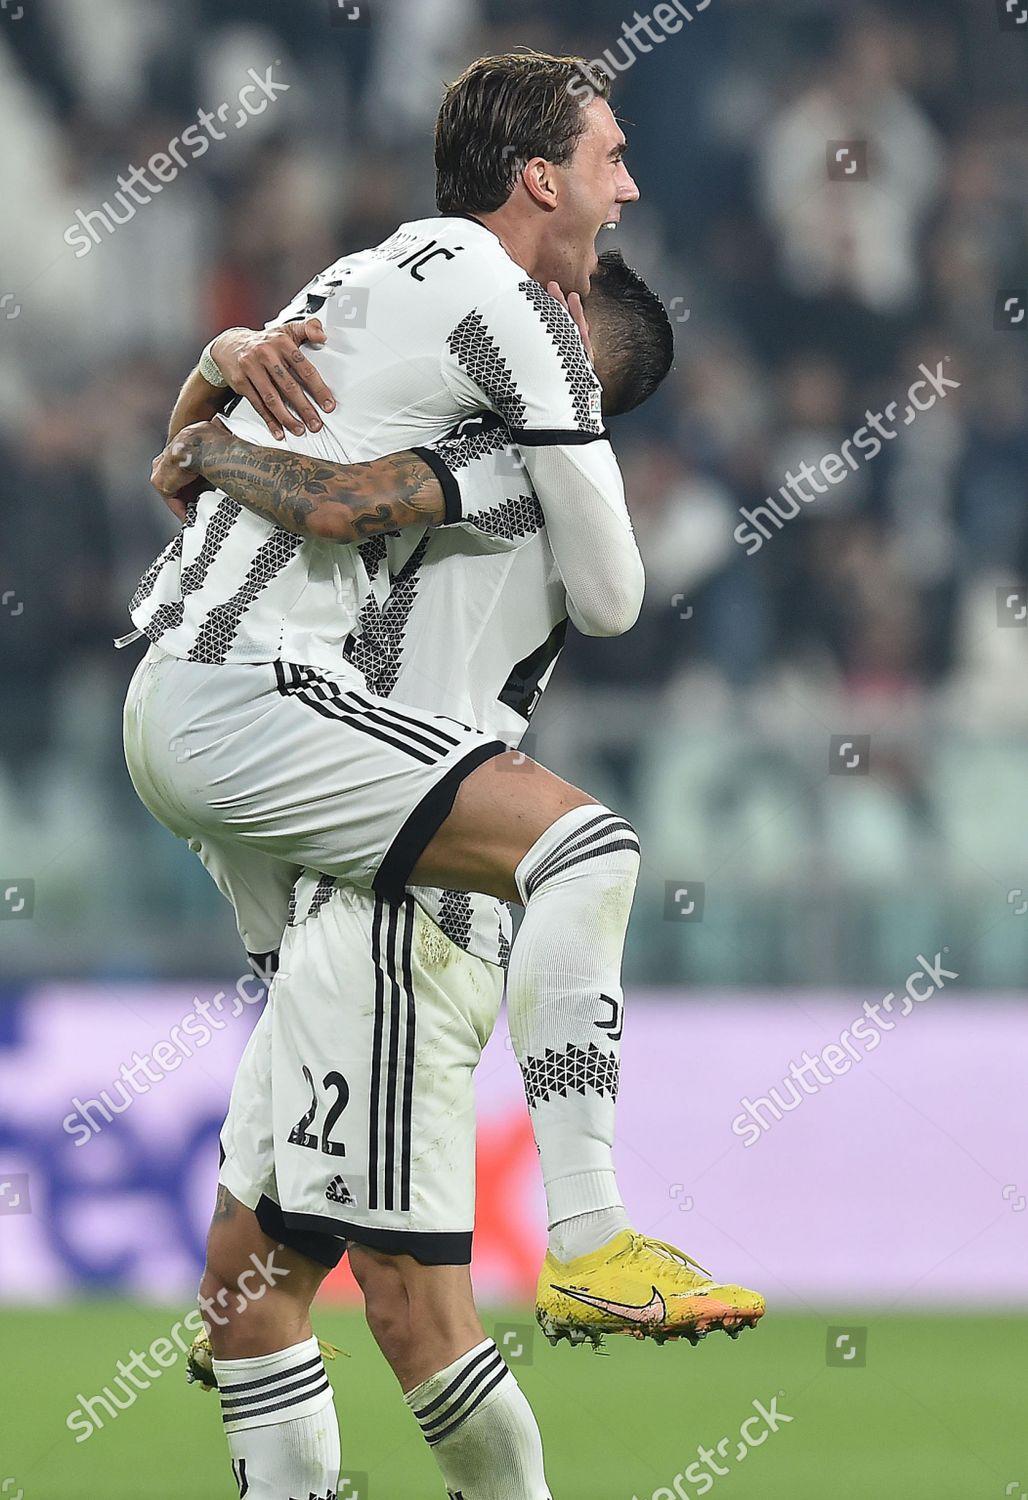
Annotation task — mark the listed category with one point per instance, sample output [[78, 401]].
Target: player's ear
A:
[[540, 180]]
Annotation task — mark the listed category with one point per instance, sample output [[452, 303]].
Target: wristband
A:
[[209, 367]]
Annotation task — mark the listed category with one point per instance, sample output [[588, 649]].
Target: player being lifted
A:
[[280, 761]]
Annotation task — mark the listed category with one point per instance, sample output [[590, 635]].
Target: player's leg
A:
[[471, 1410], [379, 1022], [258, 1284], [574, 865]]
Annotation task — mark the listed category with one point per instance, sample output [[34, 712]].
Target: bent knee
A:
[[603, 850]]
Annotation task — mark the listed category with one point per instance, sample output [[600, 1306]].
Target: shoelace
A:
[[670, 1252]]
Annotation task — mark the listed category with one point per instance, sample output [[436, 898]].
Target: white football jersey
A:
[[434, 325], [467, 619]]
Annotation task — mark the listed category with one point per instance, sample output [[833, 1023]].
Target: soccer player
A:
[[250, 623], [374, 1002]]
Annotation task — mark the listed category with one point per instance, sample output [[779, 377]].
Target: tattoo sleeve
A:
[[311, 497]]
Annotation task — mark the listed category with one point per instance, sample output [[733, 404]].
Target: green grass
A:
[[937, 1414]]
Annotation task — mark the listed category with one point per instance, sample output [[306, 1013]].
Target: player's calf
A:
[[276, 1400], [255, 1293], [471, 1410], [422, 1317]]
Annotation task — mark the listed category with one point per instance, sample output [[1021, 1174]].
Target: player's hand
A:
[[174, 473], [575, 307], [270, 369]]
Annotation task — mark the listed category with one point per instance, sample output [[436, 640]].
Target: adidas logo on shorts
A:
[[338, 1192]]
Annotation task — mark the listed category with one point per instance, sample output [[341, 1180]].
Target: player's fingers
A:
[[293, 394], [555, 290], [267, 406], [168, 473], [313, 331], [166, 487], [308, 375]]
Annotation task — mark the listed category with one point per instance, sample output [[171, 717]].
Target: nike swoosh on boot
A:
[[653, 1311]]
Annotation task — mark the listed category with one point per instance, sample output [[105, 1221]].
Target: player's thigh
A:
[[501, 810], [307, 767]]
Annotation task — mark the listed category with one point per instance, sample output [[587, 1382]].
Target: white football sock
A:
[[281, 1425], [481, 1429], [579, 1236], [566, 1007]]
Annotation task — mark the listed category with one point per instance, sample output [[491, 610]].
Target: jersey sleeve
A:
[[521, 355], [485, 483], [580, 501]]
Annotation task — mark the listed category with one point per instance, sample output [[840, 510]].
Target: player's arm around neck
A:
[[305, 495]]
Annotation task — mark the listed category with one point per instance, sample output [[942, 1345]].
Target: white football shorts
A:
[[266, 768], [353, 1112]]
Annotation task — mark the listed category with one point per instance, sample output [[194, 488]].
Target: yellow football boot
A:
[[641, 1287]]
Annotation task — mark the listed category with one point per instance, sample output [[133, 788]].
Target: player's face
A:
[[595, 186]]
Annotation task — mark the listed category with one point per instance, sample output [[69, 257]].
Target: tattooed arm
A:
[[308, 496]]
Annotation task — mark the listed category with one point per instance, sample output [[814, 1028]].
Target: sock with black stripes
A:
[[481, 1429], [565, 1009], [280, 1422]]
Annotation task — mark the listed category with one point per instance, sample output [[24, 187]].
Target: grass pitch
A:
[[936, 1412]]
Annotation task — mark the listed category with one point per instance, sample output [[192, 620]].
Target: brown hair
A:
[[501, 112]]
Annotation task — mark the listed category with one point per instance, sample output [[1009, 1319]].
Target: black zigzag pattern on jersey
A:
[[365, 650], [170, 616], [171, 554], [366, 646], [373, 555], [581, 376], [376, 647], [455, 917], [572, 1071], [322, 893], [515, 518], [479, 357], [320, 897], [503, 946], [218, 632]]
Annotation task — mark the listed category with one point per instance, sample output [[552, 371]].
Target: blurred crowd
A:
[[834, 195]]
